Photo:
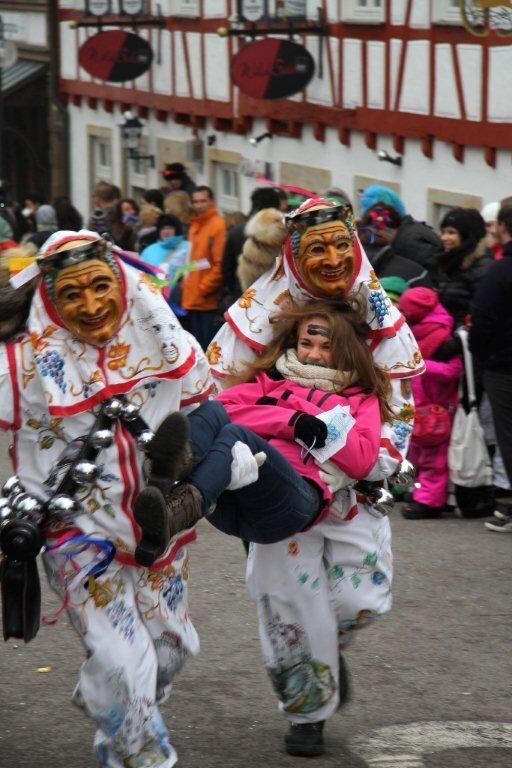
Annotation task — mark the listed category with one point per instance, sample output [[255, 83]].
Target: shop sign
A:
[[272, 68], [115, 56], [132, 7], [252, 10], [98, 7]]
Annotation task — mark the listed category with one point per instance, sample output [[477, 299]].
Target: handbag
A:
[[468, 458], [432, 425]]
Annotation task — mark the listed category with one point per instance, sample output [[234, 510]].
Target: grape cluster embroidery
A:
[[51, 364], [401, 431], [379, 306]]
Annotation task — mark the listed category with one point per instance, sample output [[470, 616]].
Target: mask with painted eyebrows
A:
[[89, 300], [326, 259]]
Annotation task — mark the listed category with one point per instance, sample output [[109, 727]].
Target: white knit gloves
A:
[[245, 466]]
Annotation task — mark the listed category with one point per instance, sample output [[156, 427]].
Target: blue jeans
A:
[[279, 504]]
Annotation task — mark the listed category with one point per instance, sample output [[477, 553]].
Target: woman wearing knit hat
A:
[[462, 262], [435, 398]]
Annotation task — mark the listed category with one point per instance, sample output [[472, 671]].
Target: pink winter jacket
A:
[[270, 407], [439, 382]]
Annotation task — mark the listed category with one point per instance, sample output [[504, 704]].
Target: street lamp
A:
[[131, 134]]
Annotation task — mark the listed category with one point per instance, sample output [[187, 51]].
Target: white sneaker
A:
[[502, 515], [500, 526]]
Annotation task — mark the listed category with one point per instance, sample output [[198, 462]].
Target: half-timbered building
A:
[[410, 79]]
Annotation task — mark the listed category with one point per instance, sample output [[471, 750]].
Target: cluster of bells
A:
[[380, 498], [20, 518], [21, 514]]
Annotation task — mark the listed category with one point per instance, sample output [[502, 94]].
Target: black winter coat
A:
[[491, 316], [456, 277], [417, 241], [387, 263]]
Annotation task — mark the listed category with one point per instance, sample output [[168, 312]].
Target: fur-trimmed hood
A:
[[266, 233]]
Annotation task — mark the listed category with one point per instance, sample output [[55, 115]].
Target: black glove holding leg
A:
[[310, 430]]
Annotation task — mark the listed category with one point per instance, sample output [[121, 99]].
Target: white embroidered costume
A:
[[312, 589], [133, 621]]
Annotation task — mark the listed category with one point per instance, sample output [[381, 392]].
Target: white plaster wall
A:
[[470, 59], [416, 175], [416, 86], [446, 102]]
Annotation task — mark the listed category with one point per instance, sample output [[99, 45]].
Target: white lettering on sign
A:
[[403, 746]]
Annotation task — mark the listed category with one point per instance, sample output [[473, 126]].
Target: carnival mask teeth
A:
[[85, 472], [145, 439], [129, 411], [102, 438], [113, 408]]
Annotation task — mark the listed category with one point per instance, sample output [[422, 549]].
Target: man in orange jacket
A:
[[201, 288]]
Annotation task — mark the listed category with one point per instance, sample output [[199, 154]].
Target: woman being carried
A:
[[282, 408]]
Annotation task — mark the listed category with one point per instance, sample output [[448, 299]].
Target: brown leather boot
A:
[[170, 453], [162, 516]]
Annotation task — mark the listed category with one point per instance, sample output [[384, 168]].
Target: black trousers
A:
[[499, 391]]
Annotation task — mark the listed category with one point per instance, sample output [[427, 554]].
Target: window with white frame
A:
[[363, 11], [101, 159], [440, 201], [446, 12], [226, 183]]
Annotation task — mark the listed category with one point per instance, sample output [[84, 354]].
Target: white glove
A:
[[244, 467], [334, 477]]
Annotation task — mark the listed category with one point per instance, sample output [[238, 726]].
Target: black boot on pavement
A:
[[305, 739], [418, 511]]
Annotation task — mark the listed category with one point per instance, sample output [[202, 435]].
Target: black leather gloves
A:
[[310, 430]]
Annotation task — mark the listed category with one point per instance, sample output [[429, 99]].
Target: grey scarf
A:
[[326, 379]]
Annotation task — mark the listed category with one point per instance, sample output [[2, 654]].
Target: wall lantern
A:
[[386, 157], [255, 140], [131, 134]]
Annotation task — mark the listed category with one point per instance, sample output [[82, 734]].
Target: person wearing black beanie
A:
[[462, 262], [169, 220]]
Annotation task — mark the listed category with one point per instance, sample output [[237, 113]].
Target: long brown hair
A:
[[350, 351]]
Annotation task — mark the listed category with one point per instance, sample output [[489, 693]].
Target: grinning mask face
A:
[[89, 301], [326, 258]]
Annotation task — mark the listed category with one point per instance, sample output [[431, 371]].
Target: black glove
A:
[[309, 429]]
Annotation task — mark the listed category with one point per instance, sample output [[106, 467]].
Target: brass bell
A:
[[18, 500], [102, 438], [85, 472], [62, 506], [5, 509], [382, 501], [144, 439], [405, 474], [11, 486], [29, 506], [113, 408], [129, 411]]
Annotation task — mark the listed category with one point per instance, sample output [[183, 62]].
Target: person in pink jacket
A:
[[435, 399], [319, 360]]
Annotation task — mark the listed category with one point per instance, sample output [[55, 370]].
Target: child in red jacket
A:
[[319, 360]]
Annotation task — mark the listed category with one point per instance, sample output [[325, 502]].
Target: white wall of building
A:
[[415, 177]]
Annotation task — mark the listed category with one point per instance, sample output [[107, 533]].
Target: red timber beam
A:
[[239, 113]]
